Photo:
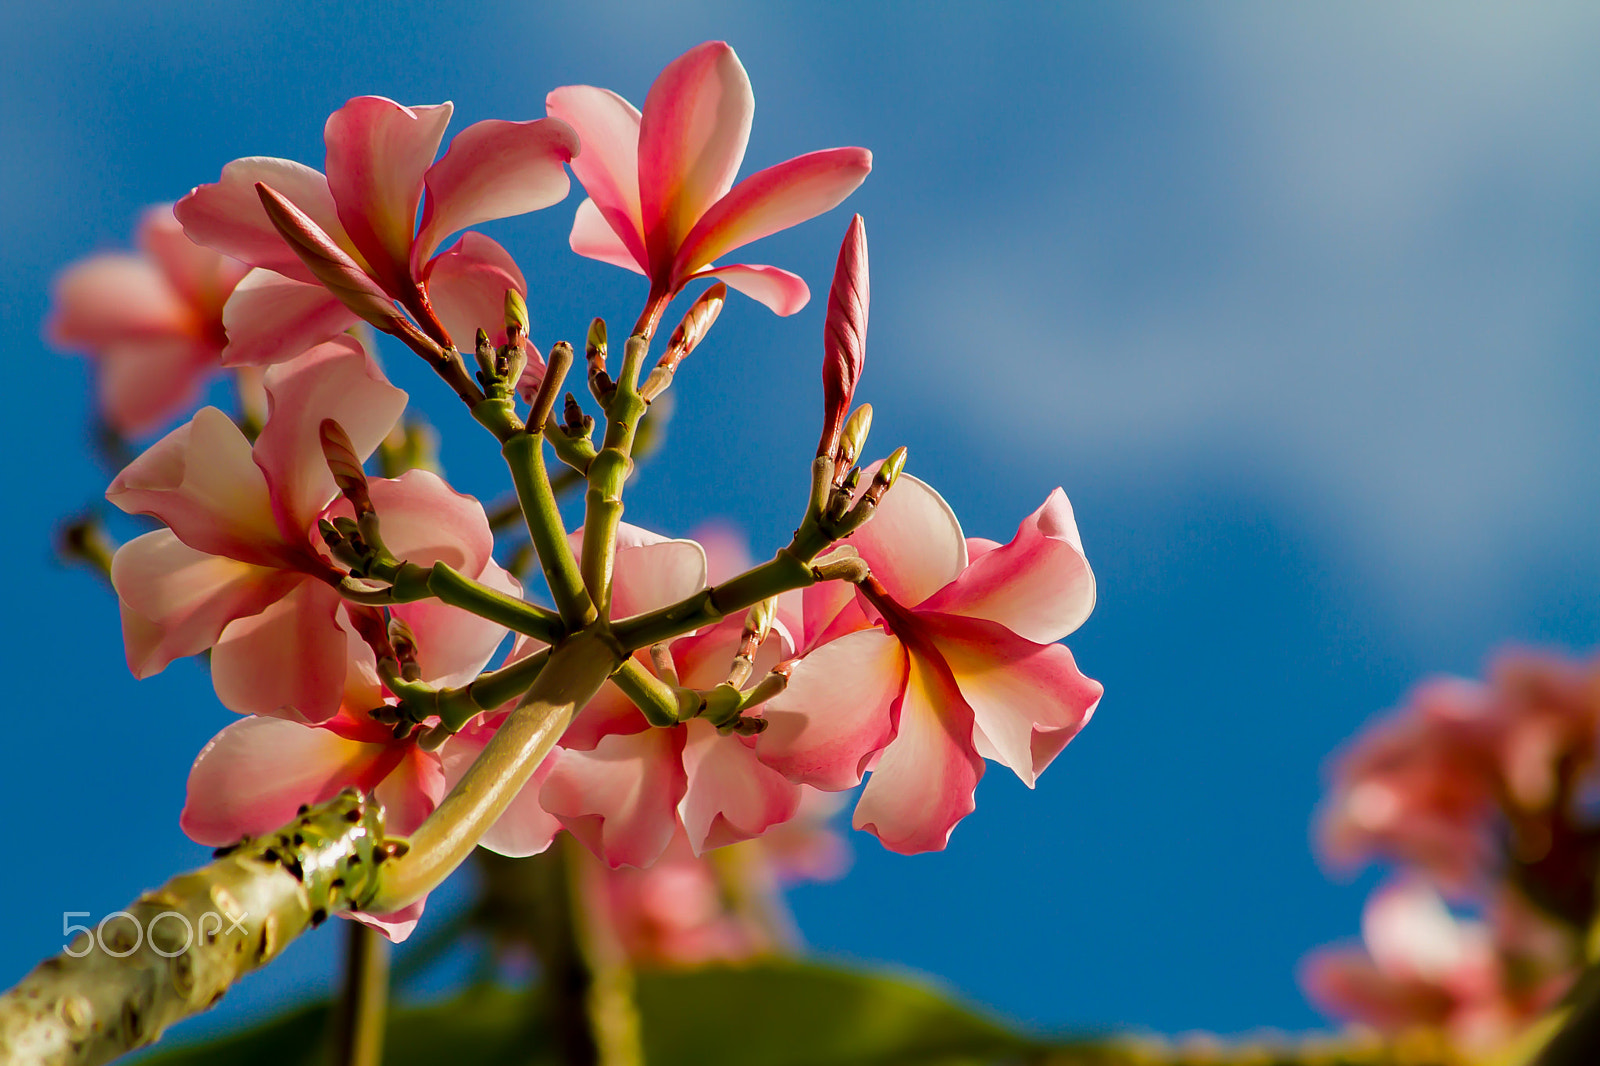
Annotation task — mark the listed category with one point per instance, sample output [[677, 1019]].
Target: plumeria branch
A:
[[576, 669], [107, 995]]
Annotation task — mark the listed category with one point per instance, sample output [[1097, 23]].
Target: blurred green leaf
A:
[[783, 1013], [484, 1025], [767, 1014]]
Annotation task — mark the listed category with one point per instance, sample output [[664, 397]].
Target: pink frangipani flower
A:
[[662, 199], [952, 661], [626, 788], [240, 568], [380, 169], [152, 321]]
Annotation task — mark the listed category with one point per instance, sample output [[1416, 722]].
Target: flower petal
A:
[[227, 216], [467, 286], [176, 601], [397, 925], [110, 298], [837, 711], [336, 380], [780, 291], [730, 794], [1039, 586], [913, 542], [923, 783], [621, 798], [200, 480], [201, 276], [426, 521], [1028, 700], [253, 776], [410, 791], [650, 570], [494, 169], [270, 318], [141, 384], [774, 199], [289, 661], [378, 152], [608, 165], [593, 237], [692, 137]]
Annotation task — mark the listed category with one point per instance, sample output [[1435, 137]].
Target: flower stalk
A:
[[176, 950]]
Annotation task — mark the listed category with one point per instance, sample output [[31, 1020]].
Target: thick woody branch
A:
[[177, 949]]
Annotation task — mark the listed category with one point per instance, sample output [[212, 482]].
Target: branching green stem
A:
[[515, 614], [661, 704], [608, 473], [524, 454], [576, 669], [779, 574]]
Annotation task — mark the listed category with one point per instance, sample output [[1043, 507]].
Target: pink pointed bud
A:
[[696, 323], [345, 466], [844, 336], [691, 331], [331, 264]]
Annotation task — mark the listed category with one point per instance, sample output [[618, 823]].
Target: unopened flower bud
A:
[[887, 474], [594, 349], [342, 462], [331, 264], [844, 335], [516, 316], [484, 351], [695, 324], [852, 440], [404, 642]]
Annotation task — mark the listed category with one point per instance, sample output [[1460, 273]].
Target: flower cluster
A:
[[351, 620], [1483, 793]]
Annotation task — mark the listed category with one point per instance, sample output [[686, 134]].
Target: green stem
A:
[[575, 672], [524, 454], [365, 1000], [493, 689], [656, 699], [779, 574], [110, 993], [609, 473], [577, 452], [515, 614]]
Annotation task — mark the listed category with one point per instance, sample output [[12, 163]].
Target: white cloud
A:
[[1394, 323]]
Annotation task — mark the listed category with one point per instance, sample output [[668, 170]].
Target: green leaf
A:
[[773, 1013], [782, 1013], [484, 1025]]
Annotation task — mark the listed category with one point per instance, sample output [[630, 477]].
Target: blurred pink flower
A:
[[1421, 967], [152, 321], [726, 905]]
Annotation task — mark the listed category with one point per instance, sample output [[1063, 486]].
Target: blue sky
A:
[[1295, 301]]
